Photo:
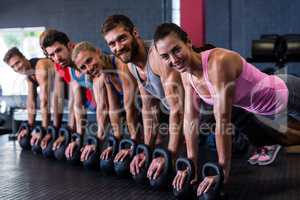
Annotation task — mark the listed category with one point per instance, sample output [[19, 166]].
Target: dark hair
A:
[[165, 29], [12, 52], [51, 36], [114, 20]]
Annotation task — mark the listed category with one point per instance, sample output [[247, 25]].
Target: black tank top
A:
[[33, 62]]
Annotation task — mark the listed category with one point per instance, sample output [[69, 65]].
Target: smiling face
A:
[[89, 62], [19, 64], [59, 54], [174, 52], [122, 43]]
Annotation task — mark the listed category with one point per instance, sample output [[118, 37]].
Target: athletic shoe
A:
[[253, 160], [268, 154]]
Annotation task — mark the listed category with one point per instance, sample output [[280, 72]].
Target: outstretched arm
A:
[[31, 102], [225, 68], [58, 100], [79, 110], [175, 97], [130, 90], [43, 76], [191, 120], [102, 105]]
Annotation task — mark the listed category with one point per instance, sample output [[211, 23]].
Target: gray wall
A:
[[81, 19], [234, 24]]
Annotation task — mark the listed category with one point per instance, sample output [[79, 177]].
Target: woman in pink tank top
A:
[[224, 79]]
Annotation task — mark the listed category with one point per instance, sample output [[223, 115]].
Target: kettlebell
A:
[[36, 148], [141, 177], [122, 167], [48, 152], [24, 142], [75, 159], [93, 160], [107, 166], [59, 153], [162, 181], [214, 193], [187, 191]]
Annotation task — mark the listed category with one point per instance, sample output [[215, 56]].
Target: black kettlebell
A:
[[107, 166], [164, 178], [187, 191], [36, 148], [122, 167], [214, 193], [59, 153], [75, 159], [141, 177], [24, 142], [93, 160], [48, 152]]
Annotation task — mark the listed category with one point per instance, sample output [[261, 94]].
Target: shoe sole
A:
[[252, 162], [272, 160]]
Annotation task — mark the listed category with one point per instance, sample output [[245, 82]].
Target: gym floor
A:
[[26, 176]]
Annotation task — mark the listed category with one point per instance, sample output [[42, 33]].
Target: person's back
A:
[[255, 91]]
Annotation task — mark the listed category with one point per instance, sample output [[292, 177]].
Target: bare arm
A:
[[79, 110], [130, 90], [58, 100], [31, 102], [43, 76], [150, 111], [191, 120], [102, 105], [225, 68], [71, 115], [175, 95], [114, 109]]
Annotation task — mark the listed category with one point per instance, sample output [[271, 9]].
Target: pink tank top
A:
[[255, 91]]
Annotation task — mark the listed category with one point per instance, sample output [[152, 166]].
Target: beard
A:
[[66, 63], [126, 55]]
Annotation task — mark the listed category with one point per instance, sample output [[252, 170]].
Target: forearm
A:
[[80, 117], [224, 131], [115, 122], [71, 115], [44, 112], [191, 138], [31, 103], [31, 114], [132, 123], [175, 127], [58, 105], [101, 121], [79, 110], [149, 127]]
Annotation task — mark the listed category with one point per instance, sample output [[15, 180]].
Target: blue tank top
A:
[[86, 83], [118, 92], [82, 80]]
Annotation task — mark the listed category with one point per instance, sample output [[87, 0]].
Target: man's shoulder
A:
[[44, 63]]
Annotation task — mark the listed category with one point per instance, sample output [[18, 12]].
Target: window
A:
[[176, 12], [27, 40]]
